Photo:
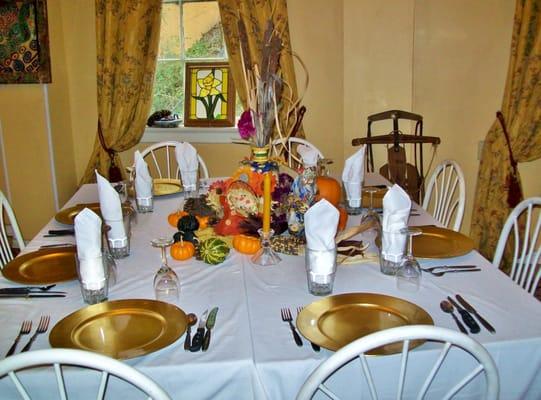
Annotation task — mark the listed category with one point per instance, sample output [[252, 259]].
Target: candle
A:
[[266, 202]]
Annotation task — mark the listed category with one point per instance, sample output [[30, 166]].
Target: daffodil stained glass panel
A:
[[208, 102]]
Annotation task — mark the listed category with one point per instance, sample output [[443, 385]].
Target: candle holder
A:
[[266, 255]]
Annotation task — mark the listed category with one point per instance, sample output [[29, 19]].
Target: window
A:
[[191, 30]]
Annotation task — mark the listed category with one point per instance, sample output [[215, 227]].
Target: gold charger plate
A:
[[68, 215], [436, 242], [336, 321], [43, 266], [120, 329], [164, 186], [377, 199]]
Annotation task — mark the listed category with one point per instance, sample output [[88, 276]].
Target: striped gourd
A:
[[213, 251]]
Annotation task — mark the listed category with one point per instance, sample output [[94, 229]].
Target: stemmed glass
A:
[[166, 282], [408, 276], [372, 219]]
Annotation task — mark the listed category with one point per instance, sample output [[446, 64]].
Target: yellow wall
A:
[[437, 58]]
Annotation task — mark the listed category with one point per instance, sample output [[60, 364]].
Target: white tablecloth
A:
[[252, 354]]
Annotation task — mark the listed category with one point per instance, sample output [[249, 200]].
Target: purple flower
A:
[[246, 126]]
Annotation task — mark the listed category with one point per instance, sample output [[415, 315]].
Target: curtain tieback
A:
[[115, 175], [514, 191]]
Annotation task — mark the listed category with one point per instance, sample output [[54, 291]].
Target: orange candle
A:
[[266, 202]]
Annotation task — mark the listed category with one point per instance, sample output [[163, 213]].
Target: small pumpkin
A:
[[175, 216], [246, 244], [343, 220], [188, 223], [329, 189], [213, 251], [203, 221], [182, 250]]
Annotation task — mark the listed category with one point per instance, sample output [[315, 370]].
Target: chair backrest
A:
[[164, 162], [525, 223], [12, 367], [357, 349], [445, 195], [6, 255], [289, 147]]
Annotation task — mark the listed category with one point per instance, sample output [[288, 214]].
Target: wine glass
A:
[[372, 220], [408, 276], [166, 282]]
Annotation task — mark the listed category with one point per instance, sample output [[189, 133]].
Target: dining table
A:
[[252, 354]]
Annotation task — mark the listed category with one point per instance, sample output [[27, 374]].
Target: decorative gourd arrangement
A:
[[246, 244]]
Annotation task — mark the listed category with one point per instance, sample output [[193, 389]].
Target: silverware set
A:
[[30, 292], [441, 270], [287, 317], [26, 328], [201, 339], [467, 313]]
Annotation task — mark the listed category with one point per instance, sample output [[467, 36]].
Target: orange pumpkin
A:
[[182, 250], [175, 216], [329, 189], [203, 221], [342, 222], [246, 244]]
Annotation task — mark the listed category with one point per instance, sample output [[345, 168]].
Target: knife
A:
[[466, 317], [25, 290], [472, 310], [210, 324], [60, 232], [197, 339], [28, 295]]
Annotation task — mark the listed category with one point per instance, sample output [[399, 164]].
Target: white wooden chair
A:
[[525, 270], [289, 146], [56, 358], [6, 254], [441, 199], [164, 162], [357, 349]]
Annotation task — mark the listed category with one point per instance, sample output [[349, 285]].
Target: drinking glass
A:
[[372, 219], [408, 276], [166, 282]]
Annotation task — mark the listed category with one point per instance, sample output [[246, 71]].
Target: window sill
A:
[[190, 134]]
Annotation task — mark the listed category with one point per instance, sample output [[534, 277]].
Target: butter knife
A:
[[472, 310], [466, 317], [197, 340], [28, 295], [210, 324], [25, 290]]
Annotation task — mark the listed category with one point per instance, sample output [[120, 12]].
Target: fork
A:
[[286, 317], [448, 271], [26, 326], [42, 328], [315, 347]]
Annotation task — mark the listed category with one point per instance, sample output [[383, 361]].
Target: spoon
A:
[[448, 308], [191, 319], [441, 273]]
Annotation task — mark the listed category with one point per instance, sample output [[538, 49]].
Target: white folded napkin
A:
[[111, 211], [188, 163], [353, 176], [396, 210], [87, 227], [143, 180], [320, 225], [308, 154]]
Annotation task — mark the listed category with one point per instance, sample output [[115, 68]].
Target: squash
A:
[[213, 251], [246, 244], [182, 250], [342, 222], [329, 189], [203, 221], [175, 216], [188, 223]]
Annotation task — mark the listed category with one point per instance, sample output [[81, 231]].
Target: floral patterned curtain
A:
[[522, 112], [255, 14], [127, 38]]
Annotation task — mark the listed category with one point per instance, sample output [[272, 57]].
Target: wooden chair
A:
[[13, 366], [524, 225], [164, 163], [357, 349], [442, 200], [288, 149], [6, 253]]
